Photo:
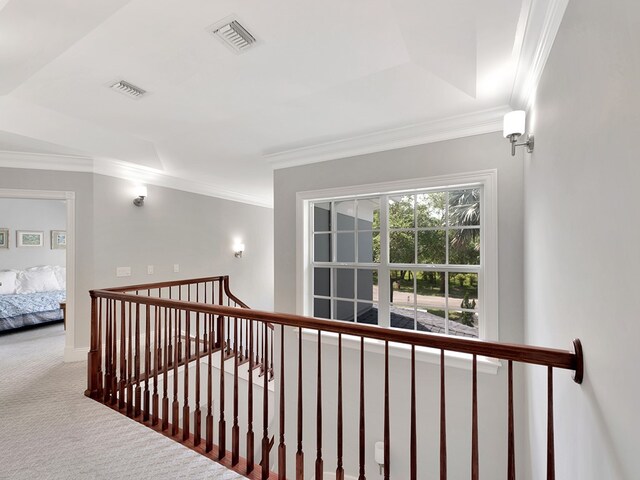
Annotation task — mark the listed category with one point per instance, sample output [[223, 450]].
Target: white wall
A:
[[192, 230], [456, 156], [581, 235], [31, 214]]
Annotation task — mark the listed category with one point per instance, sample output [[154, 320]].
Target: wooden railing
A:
[[147, 338]]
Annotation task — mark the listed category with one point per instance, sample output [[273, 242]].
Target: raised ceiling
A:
[[322, 75]]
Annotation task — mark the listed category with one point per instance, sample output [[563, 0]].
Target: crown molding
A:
[[123, 170], [543, 20], [485, 121]]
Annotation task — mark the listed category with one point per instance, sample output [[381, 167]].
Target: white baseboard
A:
[[75, 354]]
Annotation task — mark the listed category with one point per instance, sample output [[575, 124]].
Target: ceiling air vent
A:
[[230, 32], [128, 89]]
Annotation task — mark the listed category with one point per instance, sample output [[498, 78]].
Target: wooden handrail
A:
[[505, 351], [171, 283]]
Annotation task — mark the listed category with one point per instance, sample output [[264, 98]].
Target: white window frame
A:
[[488, 271]]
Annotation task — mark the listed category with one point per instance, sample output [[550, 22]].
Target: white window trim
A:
[[488, 288]]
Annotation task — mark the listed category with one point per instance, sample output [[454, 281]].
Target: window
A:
[[412, 259]]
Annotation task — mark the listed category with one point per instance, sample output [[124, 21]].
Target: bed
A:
[[31, 297]]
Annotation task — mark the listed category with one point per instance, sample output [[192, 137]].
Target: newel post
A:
[[94, 357]]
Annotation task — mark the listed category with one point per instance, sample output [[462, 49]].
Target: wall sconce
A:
[[238, 248], [141, 193], [513, 128]]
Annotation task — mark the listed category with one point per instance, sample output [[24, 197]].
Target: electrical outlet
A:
[[149, 269], [176, 267], [123, 272]]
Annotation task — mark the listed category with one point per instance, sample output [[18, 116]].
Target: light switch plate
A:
[[176, 268], [123, 272], [150, 269]]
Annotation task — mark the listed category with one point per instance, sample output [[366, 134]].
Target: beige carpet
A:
[[50, 430]]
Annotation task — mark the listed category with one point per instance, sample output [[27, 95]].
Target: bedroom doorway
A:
[[52, 238]]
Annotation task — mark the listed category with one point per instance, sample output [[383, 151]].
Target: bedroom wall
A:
[[481, 152], [581, 237], [30, 214], [192, 230]]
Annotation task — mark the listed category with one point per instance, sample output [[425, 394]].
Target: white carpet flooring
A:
[[50, 430]]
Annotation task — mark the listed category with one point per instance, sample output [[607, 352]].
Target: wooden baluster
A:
[[340, 468], [130, 366], [107, 354], [474, 421], [282, 448], [250, 440], [99, 373], [271, 367], [220, 320], [387, 446], [114, 355], [299, 452], [551, 456], [413, 442], [511, 467], [165, 371], [156, 364], [222, 425], [179, 333], [123, 362], [235, 430], [228, 351], [138, 392], [361, 445], [319, 462], [170, 353], [186, 412], [197, 416], [443, 422], [209, 419], [147, 363], [265, 414], [175, 406]]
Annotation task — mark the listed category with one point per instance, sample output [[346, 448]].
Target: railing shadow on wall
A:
[[164, 353]]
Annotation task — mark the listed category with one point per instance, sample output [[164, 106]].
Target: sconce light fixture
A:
[[238, 248], [513, 129], [141, 193]]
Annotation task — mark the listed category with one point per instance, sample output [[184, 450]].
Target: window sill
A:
[[458, 360]]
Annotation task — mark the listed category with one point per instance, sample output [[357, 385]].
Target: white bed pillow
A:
[[8, 281], [33, 281], [61, 276]]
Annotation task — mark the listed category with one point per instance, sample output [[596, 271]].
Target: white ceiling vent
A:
[[128, 89], [236, 37]]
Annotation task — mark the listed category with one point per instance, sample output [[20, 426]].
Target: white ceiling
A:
[[322, 72]]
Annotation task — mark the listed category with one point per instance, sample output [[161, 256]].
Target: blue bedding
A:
[[30, 308]]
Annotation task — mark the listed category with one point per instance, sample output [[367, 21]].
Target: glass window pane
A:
[[431, 319], [401, 211], [369, 214], [369, 247], [432, 247], [464, 207], [321, 308], [463, 324], [430, 209], [464, 246], [402, 247], [322, 281], [402, 294], [345, 247], [346, 215], [367, 313], [343, 310], [403, 318], [367, 284], [431, 289], [322, 247], [322, 217], [463, 291], [344, 284]]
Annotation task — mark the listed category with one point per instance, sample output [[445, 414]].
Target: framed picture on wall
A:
[[28, 238], [58, 239], [4, 238]]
